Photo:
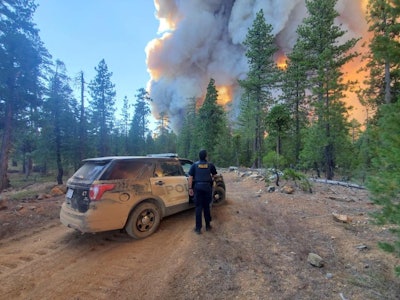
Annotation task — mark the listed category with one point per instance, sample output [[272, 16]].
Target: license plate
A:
[[70, 192]]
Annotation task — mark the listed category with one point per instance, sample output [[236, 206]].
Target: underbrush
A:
[[23, 187]]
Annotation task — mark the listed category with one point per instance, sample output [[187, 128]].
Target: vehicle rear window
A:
[[130, 169], [90, 170]]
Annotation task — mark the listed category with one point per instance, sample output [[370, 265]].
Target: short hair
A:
[[202, 154]]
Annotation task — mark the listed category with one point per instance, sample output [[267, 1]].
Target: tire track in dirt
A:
[[57, 263]]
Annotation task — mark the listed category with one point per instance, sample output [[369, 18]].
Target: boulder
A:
[[341, 218], [315, 260], [287, 189]]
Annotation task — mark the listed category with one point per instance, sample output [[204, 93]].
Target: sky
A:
[[81, 33]]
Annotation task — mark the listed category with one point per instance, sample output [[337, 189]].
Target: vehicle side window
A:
[[170, 168], [186, 166], [131, 170]]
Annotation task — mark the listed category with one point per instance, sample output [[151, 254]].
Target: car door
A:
[[170, 183]]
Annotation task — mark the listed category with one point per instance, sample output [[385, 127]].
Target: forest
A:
[[305, 126]]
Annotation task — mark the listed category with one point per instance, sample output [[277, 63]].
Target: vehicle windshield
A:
[[90, 170]]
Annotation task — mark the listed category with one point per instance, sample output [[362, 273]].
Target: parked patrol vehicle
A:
[[129, 192]]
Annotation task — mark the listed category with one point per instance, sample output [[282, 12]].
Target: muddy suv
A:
[[132, 193]]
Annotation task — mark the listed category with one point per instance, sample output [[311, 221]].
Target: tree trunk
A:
[[58, 158], [388, 95], [5, 147], [329, 163], [82, 121], [297, 131]]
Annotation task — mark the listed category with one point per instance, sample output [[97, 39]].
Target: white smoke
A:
[[202, 39]]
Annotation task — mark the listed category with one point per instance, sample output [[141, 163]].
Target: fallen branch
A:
[[341, 183]]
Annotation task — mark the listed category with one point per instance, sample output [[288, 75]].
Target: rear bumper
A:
[[74, 219]]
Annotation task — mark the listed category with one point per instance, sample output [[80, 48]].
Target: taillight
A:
[[97, 190]]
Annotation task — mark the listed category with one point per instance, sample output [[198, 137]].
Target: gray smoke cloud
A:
[[202, 39]]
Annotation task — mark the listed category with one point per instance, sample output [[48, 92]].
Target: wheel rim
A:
[[217, 197], [145, 220]]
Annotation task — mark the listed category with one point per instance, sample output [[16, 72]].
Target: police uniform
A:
[[202, 172]]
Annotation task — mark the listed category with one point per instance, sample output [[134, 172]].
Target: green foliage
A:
[[300, 179], [384, 183], [140, 123], [102, 104], [261, 79], [274, 160], [245, 133], [22, 62], [324, 59], [59, 126], [278, 122], [294, 84], [382, 82], [312, 154], [124, 126], [210, 120], [187, 142], [386, 247]]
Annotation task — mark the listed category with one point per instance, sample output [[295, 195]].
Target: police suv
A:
[[129, 192]]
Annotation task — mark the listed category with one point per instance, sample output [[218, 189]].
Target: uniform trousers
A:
[[202, 200]]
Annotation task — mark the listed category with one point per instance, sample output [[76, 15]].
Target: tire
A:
[[143, 220], [218, 195]]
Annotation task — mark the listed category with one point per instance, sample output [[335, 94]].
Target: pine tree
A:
[[82, 127], [380, 145], [165, 141], [325, 57], [278, 122], [22, 57], [294, 85], [209, 120], [261, 78], [140, 123], [187, 143], [384, 182], [126, 118], [244, 134], [59, 120], [102, 103], [383, 20]]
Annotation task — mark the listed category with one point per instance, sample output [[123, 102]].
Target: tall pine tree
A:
[[325, 57], [187, 144], [140, 123], [102, 103], [261, 79], [294, 85], [59, 121], [22, 56], [210, 119], [384, 181]]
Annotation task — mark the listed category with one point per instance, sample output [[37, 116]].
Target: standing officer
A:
[[200, 183]]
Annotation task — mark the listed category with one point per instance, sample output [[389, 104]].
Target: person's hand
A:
[[191, 193]]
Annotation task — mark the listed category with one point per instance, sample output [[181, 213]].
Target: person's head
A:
[[202, 154]]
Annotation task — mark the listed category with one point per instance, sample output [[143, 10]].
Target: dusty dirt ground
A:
[[257, 249]]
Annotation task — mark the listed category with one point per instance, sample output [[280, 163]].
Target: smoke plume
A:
[[202, 39]]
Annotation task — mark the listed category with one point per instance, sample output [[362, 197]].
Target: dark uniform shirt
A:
[[202, 171]]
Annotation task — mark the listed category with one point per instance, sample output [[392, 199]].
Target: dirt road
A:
[[258, 249]]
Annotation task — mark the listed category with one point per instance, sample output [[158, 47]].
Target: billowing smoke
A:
[[202, 39]]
